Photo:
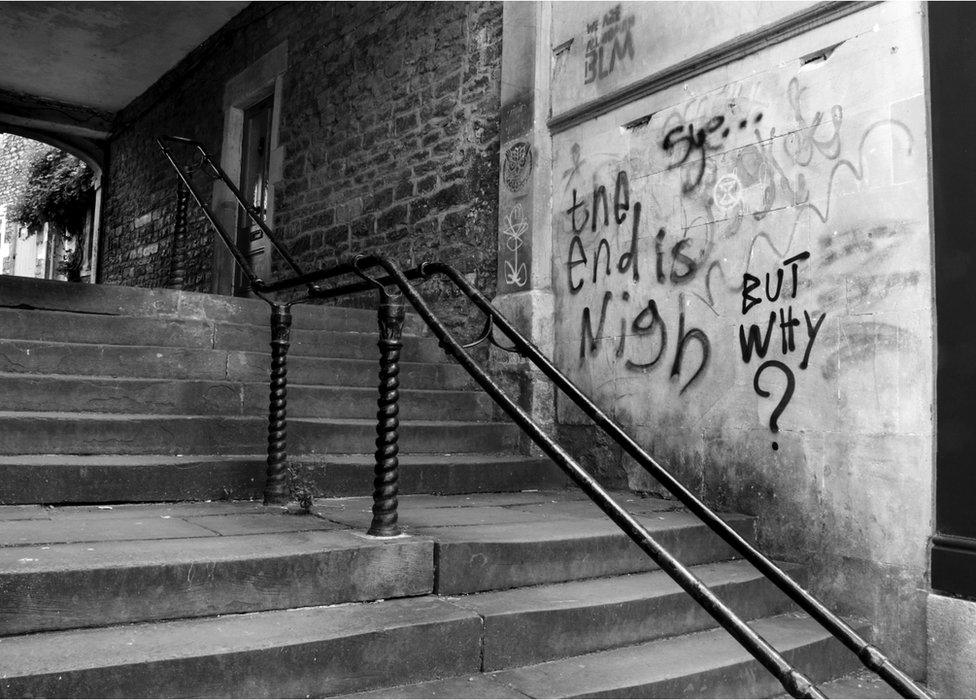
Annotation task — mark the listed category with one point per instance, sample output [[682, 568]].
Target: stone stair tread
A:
[[60, 432], [99, 527], [601, 591], [149, 418], [700, 664], [140, 331], [551, 527], [241, 562], [306, 651], [159, 303], [30, 357], [115, 478], [540, 623], [364, 459], [221, 397]]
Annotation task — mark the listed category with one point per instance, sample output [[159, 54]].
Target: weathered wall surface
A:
[[388, 128], [742, 273]]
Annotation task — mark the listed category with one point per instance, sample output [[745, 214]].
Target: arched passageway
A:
[[31, 245]]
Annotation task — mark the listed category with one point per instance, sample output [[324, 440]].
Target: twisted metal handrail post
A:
[[390, 315], [177, 268], [869, 655], [275, 486], [792, 680]]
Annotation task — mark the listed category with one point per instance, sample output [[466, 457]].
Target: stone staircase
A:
[[118, 394], [132, 563]]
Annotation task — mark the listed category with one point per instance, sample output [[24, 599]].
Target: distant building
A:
[[25, 252]]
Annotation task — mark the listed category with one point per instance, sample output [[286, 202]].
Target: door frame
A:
[[263, 78]]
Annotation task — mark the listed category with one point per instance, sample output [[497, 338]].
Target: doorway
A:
[[255, 170]]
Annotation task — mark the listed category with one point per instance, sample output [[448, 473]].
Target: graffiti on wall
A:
[[609, 42], [515, 203], [695, 243], [596, 213], [513, 232], [756, 341]]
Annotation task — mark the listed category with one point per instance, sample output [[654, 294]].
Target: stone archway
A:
[[92, 154]]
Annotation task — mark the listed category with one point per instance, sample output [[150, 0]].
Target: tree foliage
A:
[[58, 191]]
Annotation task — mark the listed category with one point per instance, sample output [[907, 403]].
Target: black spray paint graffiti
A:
[[604, 47], [645, 323], [696, 142], [648, 321], [783, 187], [755, 342]]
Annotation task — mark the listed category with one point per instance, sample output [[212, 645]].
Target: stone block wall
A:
[[388, 130]]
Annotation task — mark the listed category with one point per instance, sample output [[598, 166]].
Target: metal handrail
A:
[[385, 493], [390, 322], [868, 654]]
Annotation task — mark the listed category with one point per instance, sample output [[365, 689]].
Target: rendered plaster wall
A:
[[742, 274], [389, 136]]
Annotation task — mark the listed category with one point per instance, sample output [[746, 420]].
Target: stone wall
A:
[[743, 278], [388, 129]]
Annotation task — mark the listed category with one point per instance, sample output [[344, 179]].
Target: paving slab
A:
[[292, 653], [24, 512], [53, 531], [260, 523]]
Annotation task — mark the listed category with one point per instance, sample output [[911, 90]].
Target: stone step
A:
[[325, 343], [104, 299], [103, 433], [265, 559], [93, 329], [87, 567], [306, 652], [503, 545], [87, 360], [137, 478], [24, 392], [529, 625], [707, 664]]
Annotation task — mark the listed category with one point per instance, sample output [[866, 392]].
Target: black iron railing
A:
[[391, 312]]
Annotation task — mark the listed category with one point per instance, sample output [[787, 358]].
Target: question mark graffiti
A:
[[787, 395]]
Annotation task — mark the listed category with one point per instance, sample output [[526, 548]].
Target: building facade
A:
[[723, 220]]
